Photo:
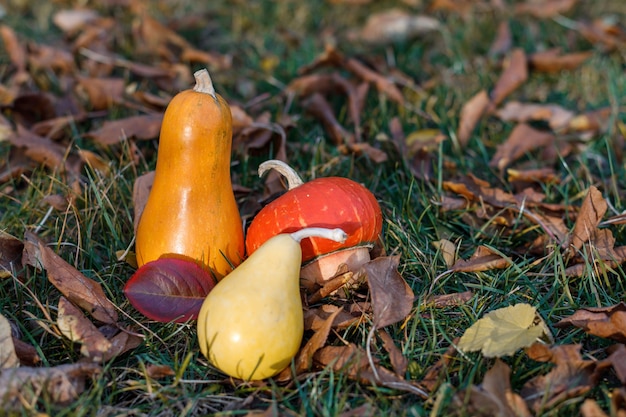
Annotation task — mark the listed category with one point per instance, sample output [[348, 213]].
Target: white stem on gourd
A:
[[337, 235], [292, 177], [204, 83]]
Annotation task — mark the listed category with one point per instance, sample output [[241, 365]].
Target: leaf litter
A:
[[41, 130]]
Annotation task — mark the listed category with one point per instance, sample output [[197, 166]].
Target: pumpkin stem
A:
[[292, 177], [337, 235], [204, 83]]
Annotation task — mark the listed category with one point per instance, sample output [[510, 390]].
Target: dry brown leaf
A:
[[544, 9], [503, 41], [392, 298], [321, 109], [8, 357], [553, 61], [471, 113], [143, 127], [39, 149], [572, 376], [103, 93], [46, 58], [75, 326], [16, 51], [71, 20], [514, 75], [617, 359], [556, 116], [159, 371], [315, 318], [399, 362], [26, 353], [494, 396], [10, 254], [590, 408], [483, 259], [59, 384], [606, 33], [121, 343], [523, 139], [606, 322], [374, 154], [394, 25], [590, 123], [383, 84], [539, 175], [78, 289], [593, 208], [304, 359]]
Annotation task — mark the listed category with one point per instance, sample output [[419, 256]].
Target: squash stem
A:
[[337, 235], [292, 177], [204, 83]]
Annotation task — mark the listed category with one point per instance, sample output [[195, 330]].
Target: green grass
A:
[[100, 223]]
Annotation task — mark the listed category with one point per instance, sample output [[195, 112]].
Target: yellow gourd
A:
[[250, 325], [191, 211]]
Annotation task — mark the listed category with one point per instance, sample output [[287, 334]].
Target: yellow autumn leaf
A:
[[504, 331]]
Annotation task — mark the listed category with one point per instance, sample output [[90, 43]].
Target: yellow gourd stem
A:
[[337, 235]]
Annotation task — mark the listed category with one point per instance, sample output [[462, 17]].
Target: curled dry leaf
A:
[[483, 259], [539, 175], [141, 191], [10, 254], [103, 93], [471, 113], [395, 25], [503, 40], [71, 20], [80, 290], [447, 250], [591, 212], [392, 298], [8, 357], [77, 328], [572, 376], [514, 75], [60, 384], [399, 362], [320, 108], [494, 396], [556, 116], [544, 9], [553, 61], [143, 127], [523, 139], [607, 322]]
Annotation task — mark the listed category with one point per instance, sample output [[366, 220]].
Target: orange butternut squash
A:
[[191, 212]]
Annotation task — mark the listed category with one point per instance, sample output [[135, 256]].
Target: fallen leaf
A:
[[77, 328], [471, 113], [143, 127], [103, 93], [10, 254], [572, 376], [604, 32], [591, 123], [169, 289], [539, 175], [26, 353], [392, 298], [503, 40], [159, 371], [399, 362], [544, 9], [304, 359], [315, 318], [59, 384], [8, 357], [617, 359], [607, 322], [374, 154], [483, 259], [71, 20], [395, 25], [493, 397], [504, 331], [320, 108], [592, 210], [590, 408], [80, 290], [553, 61], [121, 343], [514, 75], [522, 140], [557, 117], [141, 191]]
